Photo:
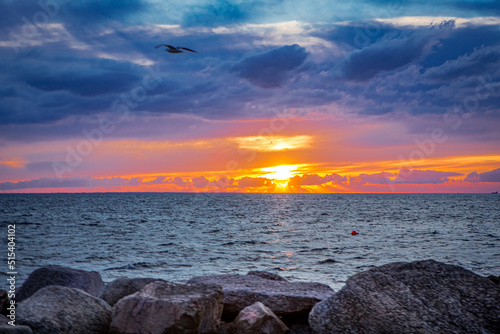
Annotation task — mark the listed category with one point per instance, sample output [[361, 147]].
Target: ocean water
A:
[[303, 237]]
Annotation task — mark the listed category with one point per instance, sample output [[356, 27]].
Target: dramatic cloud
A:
[[405, 176], [376, 178], [295, 183], [491, 176], [391, 54], [482, 61], [423, 176], [272, 68]]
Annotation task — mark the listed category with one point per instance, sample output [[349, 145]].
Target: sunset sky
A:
[[282, 96]]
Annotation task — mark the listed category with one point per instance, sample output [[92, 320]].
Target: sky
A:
[[281, 96]]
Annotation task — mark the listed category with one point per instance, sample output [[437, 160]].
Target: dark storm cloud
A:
[[25, 16], [66, 72], [92, 78], [481, 61], [391, 54], [272, 68]]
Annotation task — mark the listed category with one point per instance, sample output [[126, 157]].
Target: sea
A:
[[302, 237]]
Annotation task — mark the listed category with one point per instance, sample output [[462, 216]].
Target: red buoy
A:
[[354, 232]]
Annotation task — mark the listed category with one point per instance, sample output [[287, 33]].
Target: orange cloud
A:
[[14, 162]]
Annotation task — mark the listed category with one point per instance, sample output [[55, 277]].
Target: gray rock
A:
[[8, 329], [5, 328], [283, 298], [163, 307], [257, 319], [88, 281], [121, 287], [61, 310], [267, 275], [419, 297]]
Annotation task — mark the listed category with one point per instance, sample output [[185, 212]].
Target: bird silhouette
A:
[[174, 49]]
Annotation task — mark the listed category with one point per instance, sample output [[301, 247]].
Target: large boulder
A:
[[419, 297], [61, 310], [5, 328], [88, 281], [267, 275], [257, 319], [8, 329], [163, 307], [282, 297], [121, 287]]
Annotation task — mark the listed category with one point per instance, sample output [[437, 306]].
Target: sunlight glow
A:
[[277, 143], [283, 172]]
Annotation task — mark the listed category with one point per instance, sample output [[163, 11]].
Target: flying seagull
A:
[[174, 49]]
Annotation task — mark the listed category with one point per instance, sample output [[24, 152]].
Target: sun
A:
[[283, 172]]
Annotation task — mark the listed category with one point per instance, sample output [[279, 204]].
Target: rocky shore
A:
[[417, 297]]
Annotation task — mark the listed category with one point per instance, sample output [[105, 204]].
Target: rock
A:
[[267, 275], [494, 279], [283, 298], [88, 281], [121, 287], [62, 310], [5, 328], [418, 297], [257, 319], [4, 301], [8, 329], [163, 307], [301, 329]]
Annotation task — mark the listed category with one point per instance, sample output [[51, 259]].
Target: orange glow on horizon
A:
[[281, 173], [274, 143]]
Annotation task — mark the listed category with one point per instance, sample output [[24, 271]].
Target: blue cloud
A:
[[87, 78], [481, 61], [216, 14], [391, 54], [272, 68], [411, 69], [483, 7]]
